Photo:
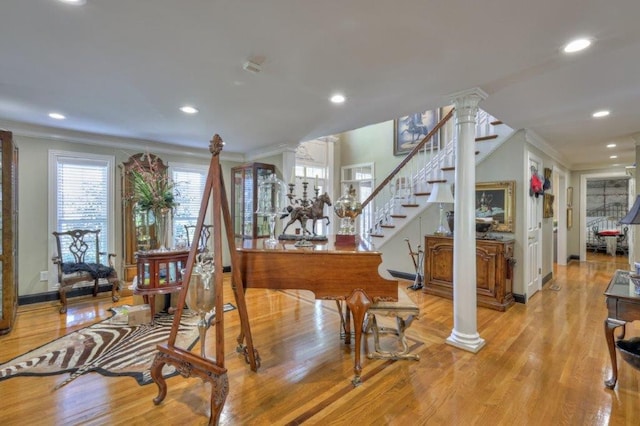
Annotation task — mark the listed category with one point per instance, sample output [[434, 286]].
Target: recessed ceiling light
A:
[[613, 156], [56, 116], [577, 45], [611, 145], [74, 2], [600, 114], [188, 109], [338, 98]]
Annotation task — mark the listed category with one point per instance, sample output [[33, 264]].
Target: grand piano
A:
[[331, 271]]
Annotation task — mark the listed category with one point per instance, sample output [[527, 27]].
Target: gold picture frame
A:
[[496, 200], [547, 205]]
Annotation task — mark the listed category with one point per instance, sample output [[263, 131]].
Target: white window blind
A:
[[83, 195], [190, 181]]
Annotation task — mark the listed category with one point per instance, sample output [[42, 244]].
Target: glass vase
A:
[[201, 294], [162, 228]]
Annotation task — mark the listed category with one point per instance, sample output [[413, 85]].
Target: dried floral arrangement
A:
[[152, 189]]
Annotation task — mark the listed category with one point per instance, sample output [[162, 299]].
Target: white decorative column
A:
[[465, 333], [288, 162]]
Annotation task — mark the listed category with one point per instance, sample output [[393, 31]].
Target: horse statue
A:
[[315, 212], [415, 127]]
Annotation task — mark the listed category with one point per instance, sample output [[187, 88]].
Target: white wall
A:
[[33, 232], [374, 144]]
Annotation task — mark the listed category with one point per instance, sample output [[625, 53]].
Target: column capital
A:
[[468, 97], [466, 104]]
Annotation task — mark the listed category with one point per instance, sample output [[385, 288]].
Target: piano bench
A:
[[404, 311]]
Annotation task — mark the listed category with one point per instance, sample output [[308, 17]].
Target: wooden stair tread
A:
[[422, 194], [399, 216], [437, 181], [377, 235], [496, 122], [486, 138], [387, 226], [410, 205], [447, 169]]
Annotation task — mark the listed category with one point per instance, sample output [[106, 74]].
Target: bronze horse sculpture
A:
[[315, 212]]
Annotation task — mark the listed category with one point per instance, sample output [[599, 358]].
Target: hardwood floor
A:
[[544, 363]]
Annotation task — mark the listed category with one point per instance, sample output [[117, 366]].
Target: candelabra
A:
[[304, 209], [271, 203]]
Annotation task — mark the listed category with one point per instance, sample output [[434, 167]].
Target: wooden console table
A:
[[494, 270], [158, 272], [623, 306]]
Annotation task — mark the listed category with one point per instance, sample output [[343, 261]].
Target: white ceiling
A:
[[124, 67]]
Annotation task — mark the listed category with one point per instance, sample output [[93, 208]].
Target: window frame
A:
[[190, 167], [107, 236]]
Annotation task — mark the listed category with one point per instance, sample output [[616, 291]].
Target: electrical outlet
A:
[[44, 275]]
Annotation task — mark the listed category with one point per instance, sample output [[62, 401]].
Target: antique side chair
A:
[[205, 236], [78, 260]]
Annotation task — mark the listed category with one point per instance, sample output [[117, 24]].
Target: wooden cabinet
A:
[[244, 200], [494, 270], [138, 226], [159, 272], [9, 223]]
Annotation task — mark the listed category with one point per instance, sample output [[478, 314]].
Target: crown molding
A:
[[537, 141], [270, 150], [128, 144]]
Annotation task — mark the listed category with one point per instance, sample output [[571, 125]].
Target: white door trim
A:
[[561, 214], [532, 286], [583, 207]]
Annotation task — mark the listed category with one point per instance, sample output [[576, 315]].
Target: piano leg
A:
[[358, 303]]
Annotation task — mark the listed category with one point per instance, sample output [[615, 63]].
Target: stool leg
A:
[[401, 326]]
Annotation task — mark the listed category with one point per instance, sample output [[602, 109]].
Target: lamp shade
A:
[[633, 217], [440, 193]]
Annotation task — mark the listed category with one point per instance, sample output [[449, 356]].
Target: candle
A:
[[316, 184], [292, 181]]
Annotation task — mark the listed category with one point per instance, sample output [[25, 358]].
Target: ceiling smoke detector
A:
[[252, 67]]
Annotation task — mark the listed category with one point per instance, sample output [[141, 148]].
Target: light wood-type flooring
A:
[[544, 363]]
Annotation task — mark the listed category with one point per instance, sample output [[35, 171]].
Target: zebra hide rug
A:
[[108, 347]]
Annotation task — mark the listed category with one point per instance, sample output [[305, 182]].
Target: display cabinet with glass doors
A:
[[139, 224], [244, 200], [9, 230]]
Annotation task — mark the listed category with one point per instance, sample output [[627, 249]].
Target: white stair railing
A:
[[409, 184]]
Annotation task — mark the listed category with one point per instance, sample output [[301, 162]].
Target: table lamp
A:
[[441, 193], [633, 217]]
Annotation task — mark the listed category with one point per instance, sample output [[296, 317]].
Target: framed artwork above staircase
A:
[[409, 130]]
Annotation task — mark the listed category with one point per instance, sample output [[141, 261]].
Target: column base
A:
[[471, 343]]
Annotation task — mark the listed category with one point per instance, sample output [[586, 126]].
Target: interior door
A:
[[533, 266]]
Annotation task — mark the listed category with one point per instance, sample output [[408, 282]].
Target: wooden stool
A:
[[404, 311]]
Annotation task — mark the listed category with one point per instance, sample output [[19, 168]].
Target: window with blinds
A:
[[190, 181], [83, 194]]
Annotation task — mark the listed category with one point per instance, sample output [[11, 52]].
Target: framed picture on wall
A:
[[409, 130], [496, 200], [547, 205]]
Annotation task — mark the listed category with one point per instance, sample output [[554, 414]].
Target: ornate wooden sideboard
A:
[[494, 270]]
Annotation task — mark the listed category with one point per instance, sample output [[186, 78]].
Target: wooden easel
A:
[[186, 363]]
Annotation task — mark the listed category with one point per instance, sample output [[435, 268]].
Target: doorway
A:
[[603, 201]]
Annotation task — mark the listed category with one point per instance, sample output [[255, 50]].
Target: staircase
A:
[[402, 196]]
